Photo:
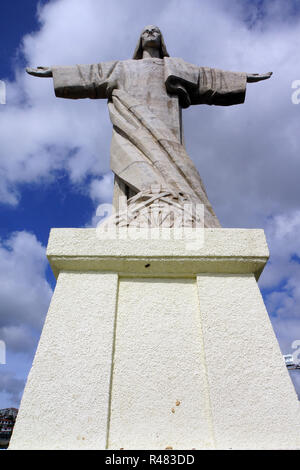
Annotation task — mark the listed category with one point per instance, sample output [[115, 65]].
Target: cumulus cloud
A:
[[282, 273], [280, 281], [24, 291], [281, 230], [287, 330], [101, 193], [24, 299], [101, 189], [12, 387]]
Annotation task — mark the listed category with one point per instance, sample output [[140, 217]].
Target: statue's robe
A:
[[145, 100]]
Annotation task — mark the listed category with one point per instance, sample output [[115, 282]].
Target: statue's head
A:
[[150, 37]]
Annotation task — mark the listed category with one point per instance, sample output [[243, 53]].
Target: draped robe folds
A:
[[145, 101]]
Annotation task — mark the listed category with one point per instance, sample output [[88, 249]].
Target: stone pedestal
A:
[[154, 344]]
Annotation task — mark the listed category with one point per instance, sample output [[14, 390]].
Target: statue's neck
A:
[[151, 52]]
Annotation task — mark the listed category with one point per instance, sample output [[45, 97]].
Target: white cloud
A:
[[24, 291], [12, 387], [281, 280], [101, 189], [24, 298], [287, 331], [18, 339], [282, 233], [101, 192]]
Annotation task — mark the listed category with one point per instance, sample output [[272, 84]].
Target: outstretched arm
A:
[[40, 71], [80, 81], [256, 77]]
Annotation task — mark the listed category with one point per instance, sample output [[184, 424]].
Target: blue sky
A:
[[59, 197], [54, 154]]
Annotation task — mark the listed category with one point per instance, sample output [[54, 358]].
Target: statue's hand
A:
[[40, 71], [111, 86], [256, 77]]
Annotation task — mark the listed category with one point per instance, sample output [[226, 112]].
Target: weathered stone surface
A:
[[218, 250], [65, 404], [146, 95], [154, 345], [253, 401]]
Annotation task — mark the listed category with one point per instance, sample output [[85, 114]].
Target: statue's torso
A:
[[145, 80]]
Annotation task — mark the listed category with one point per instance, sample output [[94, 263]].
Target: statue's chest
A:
[[145, 80]]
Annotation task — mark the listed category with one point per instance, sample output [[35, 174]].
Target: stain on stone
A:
[[173, 411], [177, 402]]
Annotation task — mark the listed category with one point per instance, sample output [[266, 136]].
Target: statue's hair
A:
[[138, 53]]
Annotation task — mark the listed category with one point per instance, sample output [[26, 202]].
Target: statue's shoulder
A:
[[178, 62], [179, 67]]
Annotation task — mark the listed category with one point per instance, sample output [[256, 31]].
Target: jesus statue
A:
[[145, 97]]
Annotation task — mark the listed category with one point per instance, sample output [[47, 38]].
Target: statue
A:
[[145, 97]]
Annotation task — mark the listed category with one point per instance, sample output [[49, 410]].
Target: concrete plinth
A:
[[150, 344]]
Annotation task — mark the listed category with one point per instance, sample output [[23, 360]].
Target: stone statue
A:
[[145, 97]]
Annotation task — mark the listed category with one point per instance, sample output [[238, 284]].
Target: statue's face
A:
[[151, 37]]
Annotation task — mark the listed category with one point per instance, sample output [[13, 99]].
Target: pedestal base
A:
[[148, 345]]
